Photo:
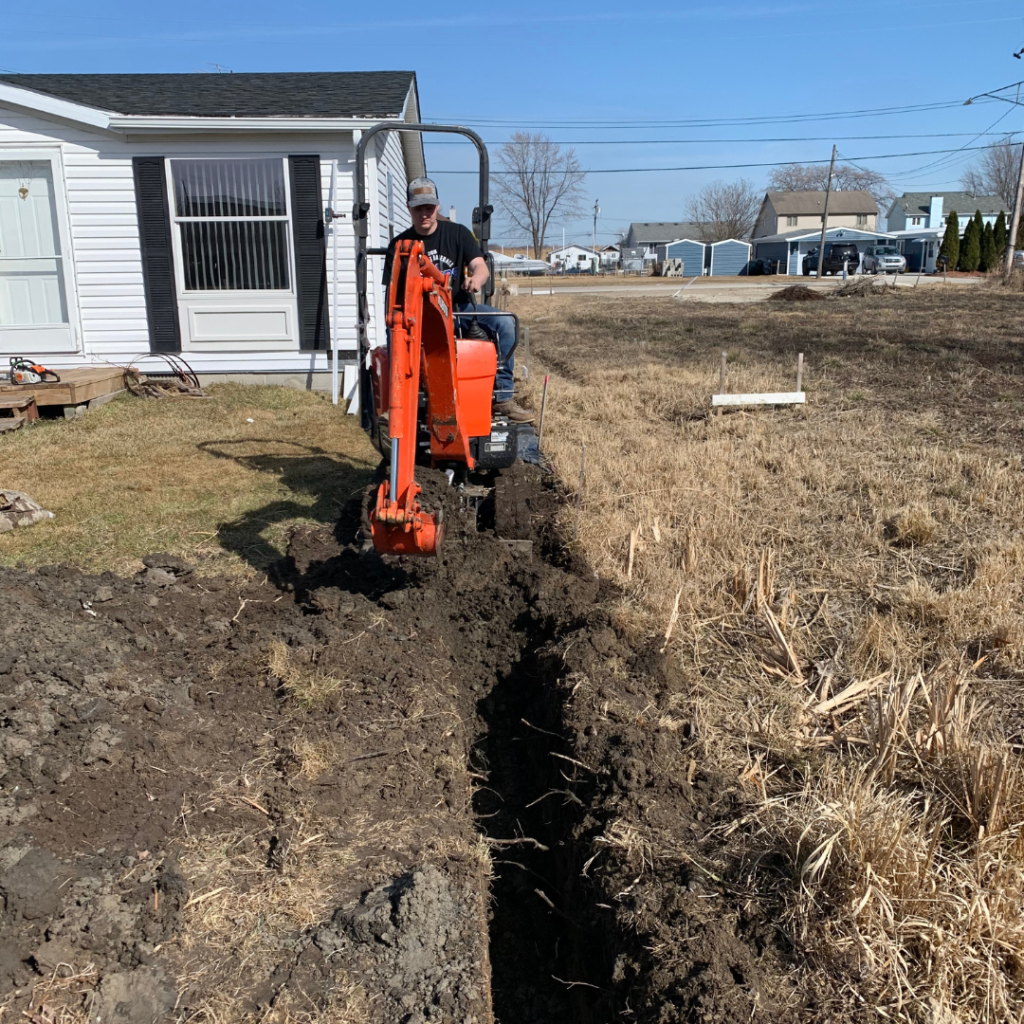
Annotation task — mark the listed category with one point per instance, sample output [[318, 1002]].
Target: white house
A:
[[931, 210], [574, 257], [918, 222], [185, 213], [610, 256]]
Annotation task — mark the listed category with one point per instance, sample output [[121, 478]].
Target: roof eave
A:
[[55, 109], [136, 124]]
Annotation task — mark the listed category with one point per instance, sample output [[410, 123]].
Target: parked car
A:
[[1018, 258], [836, 255], [884, 259], [757, 268]]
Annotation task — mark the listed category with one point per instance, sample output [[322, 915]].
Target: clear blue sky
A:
[[532, 64]]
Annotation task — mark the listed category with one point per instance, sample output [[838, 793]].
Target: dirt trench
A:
[[382, 791]]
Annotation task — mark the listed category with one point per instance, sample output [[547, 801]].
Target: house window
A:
[[232, 216], [791, 221], [31, 263], [915, 222], [862, 220]]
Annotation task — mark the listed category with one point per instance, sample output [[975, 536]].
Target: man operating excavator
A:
[[454, 251]]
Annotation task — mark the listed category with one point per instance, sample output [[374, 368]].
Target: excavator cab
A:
[[426, 396]]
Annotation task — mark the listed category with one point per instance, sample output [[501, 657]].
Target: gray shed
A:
[[729, 257], [690, 252]]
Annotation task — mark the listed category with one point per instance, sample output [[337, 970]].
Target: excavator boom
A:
[[422, 344]]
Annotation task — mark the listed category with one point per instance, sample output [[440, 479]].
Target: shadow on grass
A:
[[333, 482]]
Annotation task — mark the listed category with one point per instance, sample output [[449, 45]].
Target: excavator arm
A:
[[422, 345]]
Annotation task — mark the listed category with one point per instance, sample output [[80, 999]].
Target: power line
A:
[[795, 138], [730, 167], [712, 122]]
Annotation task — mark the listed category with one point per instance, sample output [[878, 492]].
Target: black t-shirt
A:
[[451, 248]]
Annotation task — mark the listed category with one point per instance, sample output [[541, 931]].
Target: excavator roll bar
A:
[[360, 218]]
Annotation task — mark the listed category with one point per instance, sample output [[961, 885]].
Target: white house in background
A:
[[610, 255], [185, 213], [782, 212], [925, 210], [918, 222], [578, 257]]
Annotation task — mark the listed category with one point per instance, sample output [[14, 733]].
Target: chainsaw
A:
[[25, 372]]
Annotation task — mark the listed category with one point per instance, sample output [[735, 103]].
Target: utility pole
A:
[[1011, 242], [597, 210], [824, 216]]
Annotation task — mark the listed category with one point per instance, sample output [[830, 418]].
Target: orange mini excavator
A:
[[426, 397]]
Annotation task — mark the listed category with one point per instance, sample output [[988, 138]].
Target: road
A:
[[705, 289]]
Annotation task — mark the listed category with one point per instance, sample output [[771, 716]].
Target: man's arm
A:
[[478, 274]]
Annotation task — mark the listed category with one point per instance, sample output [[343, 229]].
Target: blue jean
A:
[[504, 328]]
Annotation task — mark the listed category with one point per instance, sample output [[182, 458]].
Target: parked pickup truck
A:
[[884, 259], [836, 254]]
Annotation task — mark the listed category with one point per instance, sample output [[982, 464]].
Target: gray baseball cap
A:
[[422, 192]]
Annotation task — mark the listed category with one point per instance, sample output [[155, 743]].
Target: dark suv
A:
[[836, 254]]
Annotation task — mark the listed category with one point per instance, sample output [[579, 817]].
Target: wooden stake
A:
[[543, 406], [721, 374], [800, 372], [632, 554], [579, 491]]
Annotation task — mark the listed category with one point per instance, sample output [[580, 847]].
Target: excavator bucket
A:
[[419, 533]]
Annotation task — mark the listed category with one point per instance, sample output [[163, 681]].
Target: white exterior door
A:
[[233, 254], [36, 278]]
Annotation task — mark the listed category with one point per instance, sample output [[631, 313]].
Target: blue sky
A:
[[624, 81]]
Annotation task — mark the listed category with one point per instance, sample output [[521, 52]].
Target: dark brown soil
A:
[[140, 718], [796, 293]]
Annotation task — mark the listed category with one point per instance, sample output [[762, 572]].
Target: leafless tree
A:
[[814, 178], [995, 174], [725, 209], [541, 181]]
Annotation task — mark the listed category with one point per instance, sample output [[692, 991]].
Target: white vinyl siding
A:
[[104, 234]]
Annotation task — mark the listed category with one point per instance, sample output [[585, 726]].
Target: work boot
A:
[[513, 411]]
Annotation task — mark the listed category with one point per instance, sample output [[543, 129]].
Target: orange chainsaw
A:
[[25, 372]]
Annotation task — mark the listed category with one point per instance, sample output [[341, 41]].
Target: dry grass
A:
[[302, 676], [845, 589], [194, 478]]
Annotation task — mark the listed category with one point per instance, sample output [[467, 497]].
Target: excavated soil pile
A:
[[796, 293], [396, 791]]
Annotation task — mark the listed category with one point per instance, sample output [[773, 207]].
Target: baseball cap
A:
[[422, 192]]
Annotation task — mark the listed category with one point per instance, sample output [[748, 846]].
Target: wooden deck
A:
[[75, 387]]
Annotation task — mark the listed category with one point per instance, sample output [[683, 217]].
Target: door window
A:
[[232, 216], [31, 268]]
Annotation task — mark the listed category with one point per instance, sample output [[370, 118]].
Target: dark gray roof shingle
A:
[[965, 203], [373, 94]]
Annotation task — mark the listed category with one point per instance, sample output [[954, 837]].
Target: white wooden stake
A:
[[800, 372]]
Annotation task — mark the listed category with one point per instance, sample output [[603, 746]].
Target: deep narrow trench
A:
[[547, 962]]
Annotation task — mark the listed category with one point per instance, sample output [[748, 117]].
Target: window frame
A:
[[67, 256], [179, 254], [862, 220], [792, 220]]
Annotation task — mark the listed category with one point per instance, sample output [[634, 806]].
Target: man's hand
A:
[[478, 275]]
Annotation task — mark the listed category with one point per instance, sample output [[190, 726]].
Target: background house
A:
[[648, 235], [610, 255], [790, 247], [185, 213], [789, 211], [926, 210], [574, 256], [917, 221]]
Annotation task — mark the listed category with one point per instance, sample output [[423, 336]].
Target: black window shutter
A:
[[310, 252], [157, 253]]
